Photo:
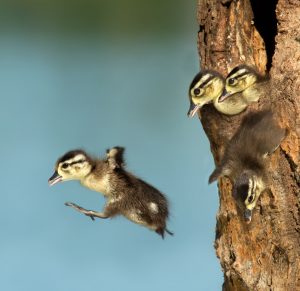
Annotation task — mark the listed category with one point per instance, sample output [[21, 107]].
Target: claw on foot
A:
[[71, 204], [77, 207], [80, 209], [91, 216]]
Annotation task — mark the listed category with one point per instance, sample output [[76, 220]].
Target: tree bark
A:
[[264, 255]]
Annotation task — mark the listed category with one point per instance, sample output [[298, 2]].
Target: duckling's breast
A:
[[98, 184], [234, 104]]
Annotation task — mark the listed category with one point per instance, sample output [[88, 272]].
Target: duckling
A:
[[207, 87], [246, 156], [246, 81], [126, 194]]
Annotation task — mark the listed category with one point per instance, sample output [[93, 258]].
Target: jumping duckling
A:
[[207, 87], [126, 194], [246, 156], [246, 81]]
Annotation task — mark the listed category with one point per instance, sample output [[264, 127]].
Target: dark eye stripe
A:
[[206, 81], [65, 165], [236, 69], [241, 75], [77, 162]]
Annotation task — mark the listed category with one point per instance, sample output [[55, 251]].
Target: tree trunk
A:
[[264, 255]]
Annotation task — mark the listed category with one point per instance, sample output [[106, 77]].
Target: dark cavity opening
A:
[[226, 3], [266, 23]]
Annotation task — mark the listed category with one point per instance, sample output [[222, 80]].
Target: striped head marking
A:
[[74, 165], [206, 87], [247, 190], [239, 79]]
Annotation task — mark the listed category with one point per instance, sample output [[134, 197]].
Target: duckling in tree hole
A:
[[207, 87], [246, 82], [126, 194], [246, 156]]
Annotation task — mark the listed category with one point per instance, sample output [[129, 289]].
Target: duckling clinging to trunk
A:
[[246, 156], [126, 194]]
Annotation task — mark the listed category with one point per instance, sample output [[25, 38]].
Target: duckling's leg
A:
[[91, 213]]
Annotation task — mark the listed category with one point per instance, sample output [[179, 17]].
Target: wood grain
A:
[[264, 255]]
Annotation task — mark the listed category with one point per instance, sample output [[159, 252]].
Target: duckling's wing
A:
[[273, 138], [115, 157], [215, 175]]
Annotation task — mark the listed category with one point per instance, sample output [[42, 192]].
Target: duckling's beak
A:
[[55, 178], [224, 96], [193, 109], [248, 215]]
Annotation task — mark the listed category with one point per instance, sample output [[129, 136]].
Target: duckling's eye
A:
[[197, 91], [231, 81], [251, 198], [65, 166]]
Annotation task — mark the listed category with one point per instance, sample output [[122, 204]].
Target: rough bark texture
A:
[[264, 255]]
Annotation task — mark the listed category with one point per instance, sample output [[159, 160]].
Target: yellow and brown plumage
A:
[[246, 158], [126, 194], [246, 82], [242, 87], [207, 87]]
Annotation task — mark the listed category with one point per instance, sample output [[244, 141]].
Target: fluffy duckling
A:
[[126, 194], [245, 158], [207, 87], [246, 81]]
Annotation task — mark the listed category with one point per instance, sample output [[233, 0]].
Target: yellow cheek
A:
[[242, 84], [228, 88], [251, 205], [63, 173], [196, 100], [208, 91], [60, 172]]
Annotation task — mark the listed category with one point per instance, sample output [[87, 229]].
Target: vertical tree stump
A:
[[264, 255]]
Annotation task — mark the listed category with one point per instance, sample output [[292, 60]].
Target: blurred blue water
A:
[[60, 95]]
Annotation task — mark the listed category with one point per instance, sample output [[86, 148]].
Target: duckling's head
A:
[[74, 165], [206, 87], [246, 191], [238, 80]]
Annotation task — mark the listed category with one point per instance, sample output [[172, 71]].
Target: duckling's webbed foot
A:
[[91, 213]]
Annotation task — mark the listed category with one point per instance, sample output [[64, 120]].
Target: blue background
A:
[[95, 74]]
